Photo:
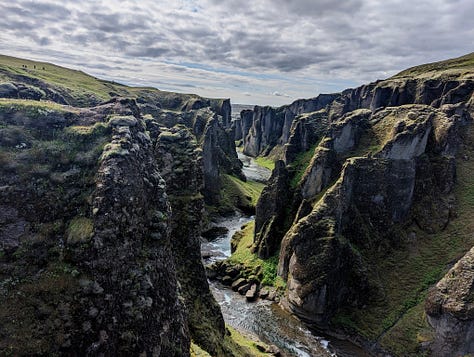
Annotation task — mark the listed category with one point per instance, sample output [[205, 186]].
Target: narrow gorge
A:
[[128, 215]]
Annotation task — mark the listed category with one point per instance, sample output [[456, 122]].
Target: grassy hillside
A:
[[78, 84], [461, 66], [79, 88]]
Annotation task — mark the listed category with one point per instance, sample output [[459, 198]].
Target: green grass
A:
[[197, 351], [87, 131], [82, 90], [265, 269], [250, 189], [25, 104], [266, 162], [408, 333], [79, 84], [243, 252], [239, 194], [235, 343], [300, 164], [371, 141], [460, 65], [80, 230], [245, 345], [269, 271]]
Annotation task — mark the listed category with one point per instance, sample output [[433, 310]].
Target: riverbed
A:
[[263, 318]]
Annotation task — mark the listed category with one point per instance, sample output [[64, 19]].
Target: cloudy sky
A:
[[253, 51]]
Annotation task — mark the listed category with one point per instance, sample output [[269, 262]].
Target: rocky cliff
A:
[[435, 86], [370, 184], [86, 263], [180, 162], [450, 310], [265, 127], [102, 206]]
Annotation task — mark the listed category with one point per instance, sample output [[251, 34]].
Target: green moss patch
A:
[[86, 131], [265, 161], [34, 106], [197, 351], [239, 194], [80, 230], [245, 345], [300, 164]]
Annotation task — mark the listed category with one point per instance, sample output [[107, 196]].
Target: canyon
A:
[[363, 231]]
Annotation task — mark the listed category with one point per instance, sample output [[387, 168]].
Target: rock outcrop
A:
[[219, 157], [271, 126], [305, 132], [369, 174], [86, 251], [270, 212], [180, 162], [381, 181], [320, 255], [103, 205], [450, 310]]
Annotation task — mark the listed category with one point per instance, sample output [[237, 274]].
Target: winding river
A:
[[263, 318]]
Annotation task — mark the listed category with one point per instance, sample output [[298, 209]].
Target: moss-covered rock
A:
[[450, 310], [79, 237]]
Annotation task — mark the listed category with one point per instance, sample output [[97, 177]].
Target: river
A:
[[263, 318]]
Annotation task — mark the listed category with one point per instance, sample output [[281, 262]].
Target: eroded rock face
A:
[[265, 130], [373, 195], [214, 140], [450, 310], [306, 131], [180, 164], [317, 257], [219, 156], [131, 224], [270, 212], [314, 261], [272, 126], [91, 253], [222, 108]]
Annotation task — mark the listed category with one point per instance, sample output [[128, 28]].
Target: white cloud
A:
[[278, 94], [213, 47]]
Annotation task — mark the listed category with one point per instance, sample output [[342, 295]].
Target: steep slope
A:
[[86, 263], [267, 129], [93, 208], [373, 188], [450, 309], [25, 79]]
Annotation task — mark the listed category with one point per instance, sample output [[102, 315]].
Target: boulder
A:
[[214, 233], [244, 288], [252, 293], [227, 280], [264, 293], [236, 285], [450, 310]]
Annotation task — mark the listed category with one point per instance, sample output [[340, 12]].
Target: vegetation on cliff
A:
[[69, 145], [102, 203], [379, 202]]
